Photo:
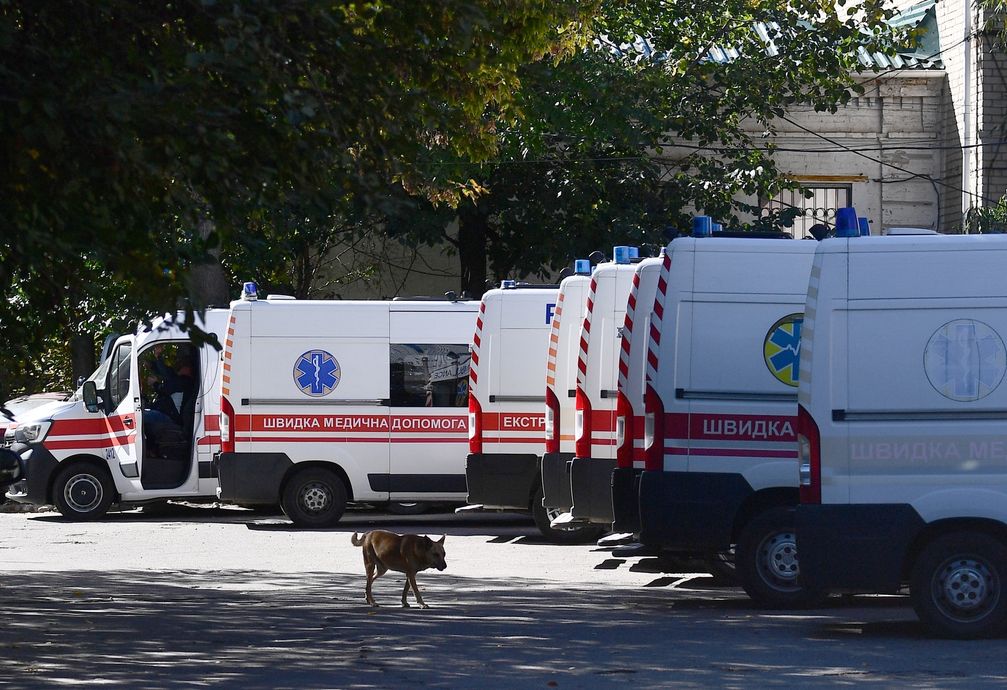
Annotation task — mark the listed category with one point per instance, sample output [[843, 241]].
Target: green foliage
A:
[[125, 124], [650, 122]]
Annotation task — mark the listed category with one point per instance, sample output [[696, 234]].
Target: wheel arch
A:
[[938, 528], [80, 459], [761, 501], [333, 467]]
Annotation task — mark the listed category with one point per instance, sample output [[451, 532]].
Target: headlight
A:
[[31, 433]]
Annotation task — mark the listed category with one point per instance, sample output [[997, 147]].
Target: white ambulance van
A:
[[629, 450], [561, 388], [143, 427], [324, 402], [597, 390], [721, 404], [507, 405], [903, 425]]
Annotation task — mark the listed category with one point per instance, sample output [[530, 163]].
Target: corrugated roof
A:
[[924, 56]]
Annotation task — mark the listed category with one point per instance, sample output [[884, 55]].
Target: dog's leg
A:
[[370, 580], [405, 592], [411, 579]]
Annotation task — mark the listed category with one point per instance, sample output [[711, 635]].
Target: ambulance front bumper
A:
[[556, 481], [692, 512], [37, 468], [501, 480], [855, 548], [626, 499], [591, 486], [252, 478]]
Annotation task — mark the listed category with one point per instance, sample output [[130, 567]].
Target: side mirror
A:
[[10, 467], [89, 392]]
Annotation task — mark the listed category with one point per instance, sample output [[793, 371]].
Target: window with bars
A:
[[820, 207]]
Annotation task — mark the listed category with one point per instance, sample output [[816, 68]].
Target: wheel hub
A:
[[778, 559], [966, 584], [83, 493], [316, 497]]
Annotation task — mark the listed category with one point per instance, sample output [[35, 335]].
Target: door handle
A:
[[128, 421]]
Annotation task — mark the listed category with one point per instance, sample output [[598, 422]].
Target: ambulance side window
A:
[[432, 375], [118, 375]]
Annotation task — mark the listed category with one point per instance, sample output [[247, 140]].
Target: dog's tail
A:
[[357, 541]]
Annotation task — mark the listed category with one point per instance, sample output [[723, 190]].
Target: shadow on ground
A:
[[265, 630]]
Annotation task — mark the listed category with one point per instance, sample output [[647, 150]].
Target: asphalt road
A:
[[198, 597]]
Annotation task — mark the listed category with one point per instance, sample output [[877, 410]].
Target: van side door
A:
[[123, 421]]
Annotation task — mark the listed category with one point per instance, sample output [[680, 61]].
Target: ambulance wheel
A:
[[766, 562], [83, 491], [957, 586], [578, 534], [314, 497]]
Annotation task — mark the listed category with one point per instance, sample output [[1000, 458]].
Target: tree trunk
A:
[[473, 229], [207, 283], [82, 357]]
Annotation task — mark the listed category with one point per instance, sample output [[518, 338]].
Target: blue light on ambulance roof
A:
[[507, 284], [250, 292], [702, 226], [634, 252], [717, 227], [847, 224], [621, 254], [582, 267], [865, 226]]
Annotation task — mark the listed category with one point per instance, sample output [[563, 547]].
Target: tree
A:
[[648, 122], [138, 138]]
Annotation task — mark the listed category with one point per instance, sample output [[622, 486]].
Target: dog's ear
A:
[[441, 540]]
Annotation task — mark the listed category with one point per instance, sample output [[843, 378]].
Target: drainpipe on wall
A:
[[967, 114]]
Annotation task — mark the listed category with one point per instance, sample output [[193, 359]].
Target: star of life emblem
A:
[[316, 373], [782, 348], [965, 360]]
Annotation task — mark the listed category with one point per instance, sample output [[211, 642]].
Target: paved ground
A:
[[223, 598]]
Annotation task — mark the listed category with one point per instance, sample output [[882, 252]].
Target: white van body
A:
[[597, 393], [560, 390], [902, 411], [630, 403], [325, 402], [86, 461], [506, 403], [721, 403]]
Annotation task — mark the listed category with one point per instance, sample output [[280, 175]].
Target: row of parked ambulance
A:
[[736, 398]]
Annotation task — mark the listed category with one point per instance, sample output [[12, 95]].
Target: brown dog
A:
[[409, 554]]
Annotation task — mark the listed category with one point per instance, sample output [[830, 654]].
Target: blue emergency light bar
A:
[[717, 227], [847, 224], [582, 267], [507, 284], [621, 254], [865, 226], [702, 226], [250, 292]]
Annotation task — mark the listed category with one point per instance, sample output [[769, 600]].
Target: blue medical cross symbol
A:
[[318, 373], [790, 347]]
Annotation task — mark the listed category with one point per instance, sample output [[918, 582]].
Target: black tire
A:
[[83, 491], [314, 497], [957, 585], [406, 508], [766, 562], [578, 534]]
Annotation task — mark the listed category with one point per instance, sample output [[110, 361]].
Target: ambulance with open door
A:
[[142, 428], [325, 402], [721, 404]]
